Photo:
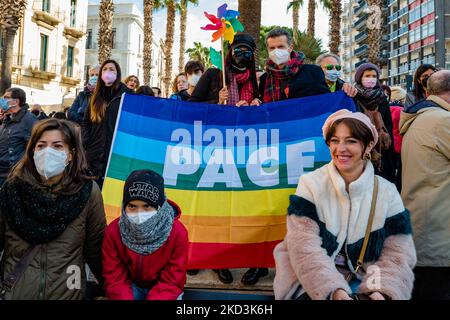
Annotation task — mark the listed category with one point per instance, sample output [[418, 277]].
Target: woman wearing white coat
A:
[[329, 221]]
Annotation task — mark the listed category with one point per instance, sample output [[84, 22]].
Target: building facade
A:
[[355, 47], [49, 51], [419, 34], [128, 42]]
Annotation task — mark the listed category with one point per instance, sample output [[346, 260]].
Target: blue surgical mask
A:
[[332, 75], [4, 104], [93, 81]]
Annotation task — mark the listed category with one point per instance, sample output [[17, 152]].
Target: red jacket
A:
[[164, 271]]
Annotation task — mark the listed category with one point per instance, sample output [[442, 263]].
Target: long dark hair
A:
[[418, 89], [74, 175], [229, 71], [98, 103]]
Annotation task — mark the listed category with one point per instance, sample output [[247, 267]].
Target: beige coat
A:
[[426, 179]]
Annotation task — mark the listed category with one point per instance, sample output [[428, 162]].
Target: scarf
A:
[[370, 99], [243, 81], [39, 216], [147, 237], [278, 79]]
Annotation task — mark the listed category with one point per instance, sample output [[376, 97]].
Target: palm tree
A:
[[312, 14], [105, 34], [250, 18], [11, 14], [148, 35], [335, 26], [170, 5], [374, 30], [200, 53], [183, 8], [295, 6]]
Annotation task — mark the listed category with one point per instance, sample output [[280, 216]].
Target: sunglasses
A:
[[238, 52], [330, 67]]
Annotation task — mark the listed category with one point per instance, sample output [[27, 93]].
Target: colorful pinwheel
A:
[[225, 24]]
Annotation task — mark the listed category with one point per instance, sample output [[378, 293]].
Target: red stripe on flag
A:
[[229, 256]]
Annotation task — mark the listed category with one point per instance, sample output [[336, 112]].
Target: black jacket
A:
[[208, 87], [388, 162], [339, 84], [97, 137], [15, 131], [79, 106], [309, 81]]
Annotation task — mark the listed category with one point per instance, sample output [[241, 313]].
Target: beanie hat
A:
[[366, 66], [398, 93], [145, 185], [244, 39], [343, 114]]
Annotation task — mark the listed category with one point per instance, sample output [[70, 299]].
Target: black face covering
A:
[[242, 61]]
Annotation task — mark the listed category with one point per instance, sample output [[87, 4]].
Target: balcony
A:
[[357, 11], [393, 35], [74, 32], [393, 72], [360, 22], [403, 69], [403, 30], [74, 80], [429, 60], [361, 50], [361, 36], [391, 2], [48, 17], [398, 14], [45, 71], [402, 11]]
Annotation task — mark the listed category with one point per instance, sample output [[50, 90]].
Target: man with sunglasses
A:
[[15, 130], [331, 66]]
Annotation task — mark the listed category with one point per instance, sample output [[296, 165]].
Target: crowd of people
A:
[[387, 187]]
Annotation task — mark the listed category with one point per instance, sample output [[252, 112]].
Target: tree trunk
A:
[[183, 20], [311, 17], [8, 47], [374, 30], [295, 18], [250, 18], [106, 13], [335, 26], [148, 32], [170, 29]]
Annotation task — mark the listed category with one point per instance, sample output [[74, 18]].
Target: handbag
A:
[[9, 281]]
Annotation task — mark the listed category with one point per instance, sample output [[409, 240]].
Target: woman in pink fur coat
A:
[[327, 220]]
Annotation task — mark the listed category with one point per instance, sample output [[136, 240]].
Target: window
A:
[[431, 28], [86, 72], [89, 39], [113, 39], [139, 43], [70, 61], [44, 52], [73, 10], [46, 5]]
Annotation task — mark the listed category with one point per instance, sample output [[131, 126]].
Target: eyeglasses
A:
[[247, 54], [330, 67]]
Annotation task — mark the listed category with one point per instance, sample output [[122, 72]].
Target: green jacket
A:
[[57, 271]]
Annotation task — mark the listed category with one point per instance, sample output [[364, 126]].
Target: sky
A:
[[273, 13]]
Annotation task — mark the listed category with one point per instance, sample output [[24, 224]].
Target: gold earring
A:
[[367, 156]]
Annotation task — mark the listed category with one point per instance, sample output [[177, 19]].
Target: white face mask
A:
[[50, 162], [193, 80], [141, 217], [279, 56]]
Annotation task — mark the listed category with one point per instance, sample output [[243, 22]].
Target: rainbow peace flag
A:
[[231, 170]]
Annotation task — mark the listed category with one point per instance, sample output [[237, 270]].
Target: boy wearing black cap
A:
[[145, 249]]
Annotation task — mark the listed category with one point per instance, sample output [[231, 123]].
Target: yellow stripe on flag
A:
[[271, 202], [236, 230]]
